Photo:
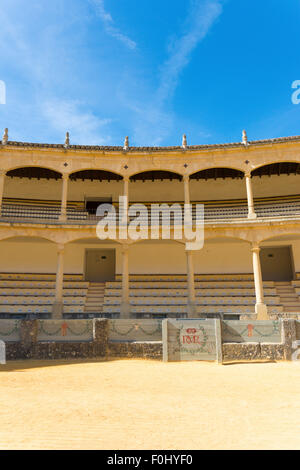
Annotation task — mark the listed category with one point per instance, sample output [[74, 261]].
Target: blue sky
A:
[[150, 69]]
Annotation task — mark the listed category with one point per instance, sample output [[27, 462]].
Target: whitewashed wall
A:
[[160, 258], [148, 191]]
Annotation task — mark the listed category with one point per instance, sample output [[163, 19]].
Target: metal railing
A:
[[45, 214]]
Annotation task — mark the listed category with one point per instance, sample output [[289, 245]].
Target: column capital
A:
[[247, 174], [60, 247], [126, 178], [2, 172], [255, 247], [125, 248], [65, 176], [186, 178]]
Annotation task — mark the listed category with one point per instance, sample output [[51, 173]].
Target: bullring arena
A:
[[145, 343]]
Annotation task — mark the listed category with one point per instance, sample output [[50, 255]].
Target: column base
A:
[[125, 310], [62, 218], [192, 310], [57, 310], [252, 215], [261, 312]]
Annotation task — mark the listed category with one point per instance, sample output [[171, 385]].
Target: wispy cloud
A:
[[154, 118], [201, 17], [84, 126], [38, 67], [108, 23]]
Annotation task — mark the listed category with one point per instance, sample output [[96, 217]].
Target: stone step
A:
[[290, 303], [291, 308], [93, 310], [95, 297], [96, 291], [287, 297]]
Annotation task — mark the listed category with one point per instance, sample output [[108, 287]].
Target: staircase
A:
[[95, 298], [289, 299]]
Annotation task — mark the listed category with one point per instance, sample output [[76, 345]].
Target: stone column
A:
[[191, 303], [123, 211], [260, 306], [2, 179], [126, 186], [63, 210], [125, 304], [186, 181], [251, 213], [57, 310]]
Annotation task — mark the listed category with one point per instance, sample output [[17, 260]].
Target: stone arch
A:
[[94, 174], [288, 166], [155, 174], [216, 172], [34, 171]]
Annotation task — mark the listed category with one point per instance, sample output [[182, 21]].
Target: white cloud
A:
[[108, 23], [84, 127], [154, 120], [201, 17]]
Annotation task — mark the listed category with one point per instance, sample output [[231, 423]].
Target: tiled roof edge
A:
[[153, 149]]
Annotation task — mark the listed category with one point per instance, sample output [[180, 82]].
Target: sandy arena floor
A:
[[137, 404]]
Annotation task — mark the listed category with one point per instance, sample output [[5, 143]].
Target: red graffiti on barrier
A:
[[250, 330], [64, 327]]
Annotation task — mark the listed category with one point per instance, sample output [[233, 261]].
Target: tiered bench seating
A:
[[24, 294], [166, 295]]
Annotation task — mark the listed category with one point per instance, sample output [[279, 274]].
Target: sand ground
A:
[[139, 404]]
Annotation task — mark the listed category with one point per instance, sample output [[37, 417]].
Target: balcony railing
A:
[[212, 214]]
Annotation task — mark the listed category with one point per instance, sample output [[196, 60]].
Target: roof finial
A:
[[245, 138], [5, 137], [126, 143], [184, 142], [67, 140]]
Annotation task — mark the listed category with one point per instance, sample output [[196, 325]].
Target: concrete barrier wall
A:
[[134, 330], [9, 330], [39, 340], [65, 330], [239, 340], [190, 340], [243, 331]]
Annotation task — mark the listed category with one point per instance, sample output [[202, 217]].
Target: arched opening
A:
[[217, 173], [222, 190], [281, 168], [34, 172], [95, 175], [155, 175], [276, 189], [156, 186], [31, 192], [89, 188]]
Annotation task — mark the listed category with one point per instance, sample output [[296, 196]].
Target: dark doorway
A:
[[276, 263], [100, 265], [91, 204]]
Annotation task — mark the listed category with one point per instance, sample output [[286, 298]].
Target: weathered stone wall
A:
[[149, 350], [101, 347], [260, 351], [233, 352], [29, 348]]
